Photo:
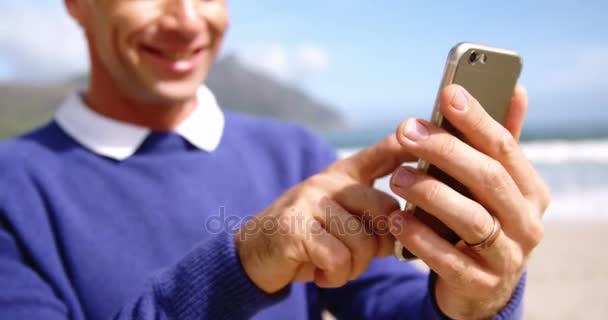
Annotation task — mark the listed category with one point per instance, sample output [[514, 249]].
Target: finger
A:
[[372, 205], [350, 230], [330, 256], [386, 245], [305, 273], [459, 265], [375, 161], [442, 257], [488, 136], [488, 181], [503, 256], [514, 123], [514, 120], [467, 218]]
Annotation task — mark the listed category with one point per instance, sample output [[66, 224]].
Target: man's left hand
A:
[[473, 282]]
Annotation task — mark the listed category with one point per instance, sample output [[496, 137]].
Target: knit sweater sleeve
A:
[[208, 283]]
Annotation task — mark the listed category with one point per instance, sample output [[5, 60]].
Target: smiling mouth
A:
[[177, 62], [173, 55]]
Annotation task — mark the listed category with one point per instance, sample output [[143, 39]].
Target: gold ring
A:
[[489, 240]]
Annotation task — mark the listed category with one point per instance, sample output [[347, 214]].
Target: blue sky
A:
[[377, 61]]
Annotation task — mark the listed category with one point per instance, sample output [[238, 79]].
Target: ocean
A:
[[576, 171]]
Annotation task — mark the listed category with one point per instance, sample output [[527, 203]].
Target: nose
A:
[[184, 16]]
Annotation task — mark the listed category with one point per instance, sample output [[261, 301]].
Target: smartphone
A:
[[489, 74]]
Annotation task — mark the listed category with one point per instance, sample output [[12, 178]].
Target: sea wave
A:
[[555, 152], [576, 172], [586, 204], [591, 151]]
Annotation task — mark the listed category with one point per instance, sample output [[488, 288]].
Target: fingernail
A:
[[415, 131], [403, 178], [460, 101]]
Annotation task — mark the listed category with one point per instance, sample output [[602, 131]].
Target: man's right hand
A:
[[320, 229]]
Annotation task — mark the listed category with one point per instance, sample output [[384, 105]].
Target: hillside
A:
[[237, 88]]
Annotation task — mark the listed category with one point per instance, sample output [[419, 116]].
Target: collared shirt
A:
[[119, 140]]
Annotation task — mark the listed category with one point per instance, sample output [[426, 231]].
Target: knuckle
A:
[[317, 181], [488, 285], [268, 224], [514, 259], [284, 222], [535, 234], [494, 175], [518, 261], [545, 197], [506, 144], [481, 226]]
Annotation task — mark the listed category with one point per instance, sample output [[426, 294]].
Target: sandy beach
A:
[[568, 273]]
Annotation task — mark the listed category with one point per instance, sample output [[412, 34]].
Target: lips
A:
[[173, 54], [178, 61]]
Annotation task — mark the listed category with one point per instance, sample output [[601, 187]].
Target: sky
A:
[[376, 61]]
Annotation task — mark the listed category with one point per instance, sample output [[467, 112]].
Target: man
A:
[[104, 210]]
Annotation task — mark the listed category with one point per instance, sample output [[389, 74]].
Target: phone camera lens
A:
[[473, 57]]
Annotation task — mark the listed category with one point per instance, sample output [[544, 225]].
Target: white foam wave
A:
[[592, 151], [552, 152], [580, 186], [577, 206], [582, 205]]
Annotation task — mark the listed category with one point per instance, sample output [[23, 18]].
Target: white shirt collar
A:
[[119, 140]]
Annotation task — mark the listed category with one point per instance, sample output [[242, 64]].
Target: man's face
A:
[[158, 51]]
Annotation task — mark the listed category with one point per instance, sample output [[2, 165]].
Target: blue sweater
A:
[[88, 237]]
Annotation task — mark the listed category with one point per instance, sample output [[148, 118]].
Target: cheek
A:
[[217, 17], [130, 22]]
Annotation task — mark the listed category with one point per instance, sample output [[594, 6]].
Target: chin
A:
[[171, 92]]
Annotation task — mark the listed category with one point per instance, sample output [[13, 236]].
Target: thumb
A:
[[514, 121], [375, 161]]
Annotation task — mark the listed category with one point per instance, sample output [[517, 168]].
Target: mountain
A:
[[237, 88], [23, 107], [241, 89]]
